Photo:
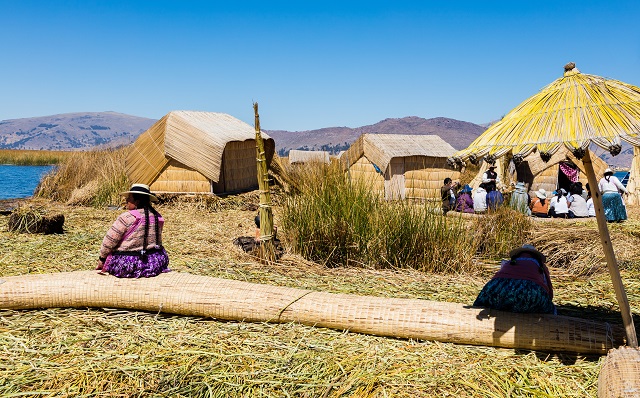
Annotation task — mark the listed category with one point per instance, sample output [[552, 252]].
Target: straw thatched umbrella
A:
[[573, 112]]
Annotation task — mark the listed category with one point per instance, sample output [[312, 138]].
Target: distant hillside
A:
[[334, 139], [87, 130], [71, 131]]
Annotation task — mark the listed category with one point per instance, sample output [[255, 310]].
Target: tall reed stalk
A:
[[339, 222], [498, 232]]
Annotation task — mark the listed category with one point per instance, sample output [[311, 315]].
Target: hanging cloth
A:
[[570, 172]]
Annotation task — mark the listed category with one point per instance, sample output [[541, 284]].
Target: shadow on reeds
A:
[[526, 336]]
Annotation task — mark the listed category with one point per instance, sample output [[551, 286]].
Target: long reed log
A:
[[194, 295]]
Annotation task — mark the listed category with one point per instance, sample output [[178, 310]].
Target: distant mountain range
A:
[[334, 139], [72, 131], [87, 130]]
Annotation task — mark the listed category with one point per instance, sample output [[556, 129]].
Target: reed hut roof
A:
[[537, 165], [195, 139], [381, 148], [298, 156], [575, 110]]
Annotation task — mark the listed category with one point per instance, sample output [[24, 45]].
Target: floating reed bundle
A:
[[35, 220], [620, 374], [186, 294]]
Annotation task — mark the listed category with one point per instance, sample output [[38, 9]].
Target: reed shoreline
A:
[[24, 157]]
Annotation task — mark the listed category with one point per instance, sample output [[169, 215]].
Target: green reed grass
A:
[[32, 158], [498, 232], [89, 178], [339, 222]]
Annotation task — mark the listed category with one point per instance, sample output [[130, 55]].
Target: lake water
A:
[[20, 181]]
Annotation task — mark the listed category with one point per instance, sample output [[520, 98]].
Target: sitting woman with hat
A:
[[521, 285], [464, 201], [132, 247], [540, 204]]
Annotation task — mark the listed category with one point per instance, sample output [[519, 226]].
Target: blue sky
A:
[[308, 64]]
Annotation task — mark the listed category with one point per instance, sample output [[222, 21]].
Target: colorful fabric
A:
[[527, 268], [614, 209], [515, 295], [464, 203], [137, 265], [570, 172], [127, 233]]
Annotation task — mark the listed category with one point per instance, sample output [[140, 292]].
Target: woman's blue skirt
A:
[[614, 209], [515, 295]]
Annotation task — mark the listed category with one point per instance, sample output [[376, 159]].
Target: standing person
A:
[[520, 199], [540, 204], [610, 188], [490, 178], [522, 284], [447, 195], [464, 202], [480, 200], [132, 247]]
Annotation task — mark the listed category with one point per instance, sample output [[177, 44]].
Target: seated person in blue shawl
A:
[[494, 199], [521, 285]]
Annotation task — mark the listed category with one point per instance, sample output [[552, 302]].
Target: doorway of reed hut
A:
[[524, 174], [555, 177], [567, 174]]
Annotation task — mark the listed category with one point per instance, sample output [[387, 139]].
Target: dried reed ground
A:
[[103, 352]]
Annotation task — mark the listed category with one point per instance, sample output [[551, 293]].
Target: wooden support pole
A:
[[267, 247], [612, 263]]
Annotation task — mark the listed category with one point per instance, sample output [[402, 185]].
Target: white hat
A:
[[608, 171], [541, 193], [142, 189]]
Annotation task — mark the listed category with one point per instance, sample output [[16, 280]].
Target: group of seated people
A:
[[486, 197], [577, 203]]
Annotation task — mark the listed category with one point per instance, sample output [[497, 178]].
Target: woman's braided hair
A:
[[143, 201]]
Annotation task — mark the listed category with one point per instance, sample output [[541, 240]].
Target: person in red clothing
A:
[[132, 247]]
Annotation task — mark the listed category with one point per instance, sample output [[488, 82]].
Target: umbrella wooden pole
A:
[[609, 254]]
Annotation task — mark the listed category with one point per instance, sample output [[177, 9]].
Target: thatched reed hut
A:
[[558, 172], [400, 165], [301, 157], [197, 152]]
